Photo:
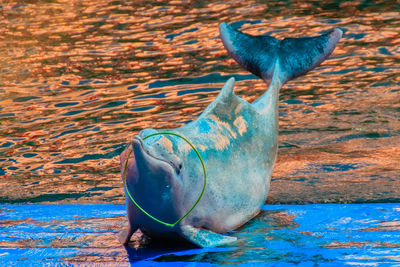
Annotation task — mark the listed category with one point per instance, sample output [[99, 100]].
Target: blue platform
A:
[[282, 235]]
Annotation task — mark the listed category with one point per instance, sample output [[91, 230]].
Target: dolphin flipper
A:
[[125, 235], [296, 56], [204, 238]]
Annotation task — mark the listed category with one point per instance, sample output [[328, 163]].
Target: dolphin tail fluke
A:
[[296, 56]]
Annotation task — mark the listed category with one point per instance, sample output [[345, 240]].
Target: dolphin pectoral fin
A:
[[125, 235], [204, 238]]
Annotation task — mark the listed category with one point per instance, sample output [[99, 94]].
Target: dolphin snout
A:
[[138, 150], [147, 162], [137, 142]]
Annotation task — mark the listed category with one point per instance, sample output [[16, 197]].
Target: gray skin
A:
[[236, 139]]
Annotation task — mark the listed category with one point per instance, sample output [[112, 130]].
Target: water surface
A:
[[281, 235], [80, 79]]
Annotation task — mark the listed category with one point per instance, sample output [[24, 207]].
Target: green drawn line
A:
[[197, 201]]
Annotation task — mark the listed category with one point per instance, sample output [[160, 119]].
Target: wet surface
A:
[[281, 235], [79, 80]]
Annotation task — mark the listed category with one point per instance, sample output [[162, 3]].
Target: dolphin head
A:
[[154, 178], [155, 168]]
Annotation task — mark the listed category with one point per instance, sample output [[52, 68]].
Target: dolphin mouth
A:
[[138, 145]]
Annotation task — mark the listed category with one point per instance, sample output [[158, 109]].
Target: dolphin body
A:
[[237, 141]]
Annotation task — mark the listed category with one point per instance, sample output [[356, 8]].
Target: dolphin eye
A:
[[178, 171], [176, 166]]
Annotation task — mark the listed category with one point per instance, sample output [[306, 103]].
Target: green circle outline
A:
[[198, 199]]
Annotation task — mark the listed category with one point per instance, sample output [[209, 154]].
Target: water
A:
[[281, 235], [80, 79]]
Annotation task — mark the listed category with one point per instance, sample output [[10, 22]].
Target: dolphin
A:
[[237, 141]]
